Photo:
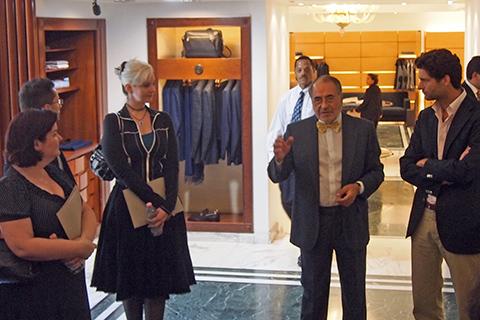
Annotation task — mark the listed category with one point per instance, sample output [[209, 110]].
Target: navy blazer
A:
[[196, 120], [360, 162], [469, 91], [455, 183], [236, 126], [226, 117]]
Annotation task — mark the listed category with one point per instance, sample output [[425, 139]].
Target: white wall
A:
[[127, 38], [425, 21]]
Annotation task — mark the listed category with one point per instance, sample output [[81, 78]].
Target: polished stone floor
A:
[[248, 301], [239, 279]]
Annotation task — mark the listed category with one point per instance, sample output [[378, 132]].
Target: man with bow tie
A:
[[336, 161]]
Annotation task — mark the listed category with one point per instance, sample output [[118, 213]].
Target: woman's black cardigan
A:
[[133, 164]]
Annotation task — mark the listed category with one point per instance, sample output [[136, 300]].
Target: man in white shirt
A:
[[294, 106], [336, 160], [472, 84]]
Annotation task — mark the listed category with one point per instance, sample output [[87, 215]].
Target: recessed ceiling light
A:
[[404, 3], [301, 4], [450, 2]]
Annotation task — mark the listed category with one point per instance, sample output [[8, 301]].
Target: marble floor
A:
[[262, 281]]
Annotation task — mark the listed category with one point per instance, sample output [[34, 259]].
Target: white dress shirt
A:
[[284, 112], [443, 127], [330, 164]]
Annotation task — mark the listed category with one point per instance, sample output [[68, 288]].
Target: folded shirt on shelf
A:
[[74, 144]]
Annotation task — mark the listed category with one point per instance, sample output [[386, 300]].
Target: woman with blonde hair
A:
[[143, 265]]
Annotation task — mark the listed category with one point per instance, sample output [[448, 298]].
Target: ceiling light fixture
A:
[[345, 14]]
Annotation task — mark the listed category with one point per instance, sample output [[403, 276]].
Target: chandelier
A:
[[345, 14]]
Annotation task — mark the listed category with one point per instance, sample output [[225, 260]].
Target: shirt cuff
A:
[[362, 187]]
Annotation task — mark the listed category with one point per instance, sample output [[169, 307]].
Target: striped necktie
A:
[[297, 111], [478, 95]]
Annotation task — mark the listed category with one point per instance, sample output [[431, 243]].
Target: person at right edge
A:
[[336, 160], [371, 107], [142, 269], [443, 162]]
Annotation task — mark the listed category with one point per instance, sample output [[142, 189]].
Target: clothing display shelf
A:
[[72, 53], [164, 54]]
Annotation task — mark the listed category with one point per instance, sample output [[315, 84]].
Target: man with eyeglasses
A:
[[41, 94]]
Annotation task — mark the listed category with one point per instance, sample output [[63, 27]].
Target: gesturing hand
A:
[[347, 194], [282, 147]]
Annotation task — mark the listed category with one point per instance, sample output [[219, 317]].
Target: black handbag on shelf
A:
[[13, 268], [207, 43]]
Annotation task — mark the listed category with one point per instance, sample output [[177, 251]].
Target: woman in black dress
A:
[[31, 194], [371, 107], [140, 145]]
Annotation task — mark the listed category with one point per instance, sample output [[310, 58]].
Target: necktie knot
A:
[[322, 127], [478, 95]]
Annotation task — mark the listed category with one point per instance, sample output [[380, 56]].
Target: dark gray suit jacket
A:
[[458, 204], [469, 91], [360, 162]]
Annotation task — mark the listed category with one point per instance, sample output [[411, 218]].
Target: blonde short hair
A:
[[134, 72]]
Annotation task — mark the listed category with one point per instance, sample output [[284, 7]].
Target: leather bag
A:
[[13, 268], [203, 43], [99, 165]]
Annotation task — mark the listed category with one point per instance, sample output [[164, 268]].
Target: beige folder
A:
[[70, 214], [137, 208]]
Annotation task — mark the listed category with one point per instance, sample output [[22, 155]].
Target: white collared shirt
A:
[[330, 164], [284, 113], [443, 127]]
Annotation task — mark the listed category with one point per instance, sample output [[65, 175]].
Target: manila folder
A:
[[137, 208], [70, 215]]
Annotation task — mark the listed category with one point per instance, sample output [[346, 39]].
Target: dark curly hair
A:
[[22, 132], [441, 62]]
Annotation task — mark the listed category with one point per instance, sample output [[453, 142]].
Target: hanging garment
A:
[[173, 104], [236, 126], [226, 119], [209, 134]]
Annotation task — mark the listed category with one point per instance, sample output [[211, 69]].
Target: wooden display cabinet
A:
[[164, 54], [80, 42]]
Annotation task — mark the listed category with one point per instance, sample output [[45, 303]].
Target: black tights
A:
[[154, 308]]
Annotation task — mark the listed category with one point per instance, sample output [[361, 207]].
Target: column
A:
[[472, 25]]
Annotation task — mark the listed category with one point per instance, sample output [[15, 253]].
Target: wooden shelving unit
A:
[[185, 68], [81, 42], [169, 65]]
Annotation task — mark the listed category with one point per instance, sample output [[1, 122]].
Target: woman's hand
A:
[[159, 219], [85, 247], [74, 264]]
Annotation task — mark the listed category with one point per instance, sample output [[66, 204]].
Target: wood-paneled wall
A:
[[453, 41], [354, 54], [18, 57]]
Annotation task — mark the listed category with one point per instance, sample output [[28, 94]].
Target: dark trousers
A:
[[287, 189], [316, 269]]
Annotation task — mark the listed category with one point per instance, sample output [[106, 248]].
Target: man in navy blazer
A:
[[443, 162], [335, 158]]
